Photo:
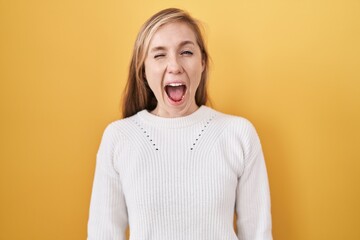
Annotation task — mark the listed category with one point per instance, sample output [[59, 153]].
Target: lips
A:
[[175, 91]]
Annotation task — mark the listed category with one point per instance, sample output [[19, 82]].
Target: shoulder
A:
[[238, 130], [115, 134], [118, 127], [235, 124]]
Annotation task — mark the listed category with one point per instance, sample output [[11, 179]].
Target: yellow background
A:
[[291, 67]]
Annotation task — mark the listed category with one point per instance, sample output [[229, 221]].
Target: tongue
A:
[[175, 93]]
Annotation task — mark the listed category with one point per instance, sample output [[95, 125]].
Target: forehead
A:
[[172, 34]]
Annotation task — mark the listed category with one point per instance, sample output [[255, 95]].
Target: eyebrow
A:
[[161, 48]]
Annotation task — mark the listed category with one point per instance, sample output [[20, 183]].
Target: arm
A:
[[253, 196], [108, 214]]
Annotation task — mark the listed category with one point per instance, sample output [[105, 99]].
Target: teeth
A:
[[175, 84]]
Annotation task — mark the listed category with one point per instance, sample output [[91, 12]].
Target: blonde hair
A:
[[137, 94]]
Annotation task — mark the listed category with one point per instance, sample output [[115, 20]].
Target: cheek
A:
[[147, 67], [153, 70], [196, 70], [153, 76]]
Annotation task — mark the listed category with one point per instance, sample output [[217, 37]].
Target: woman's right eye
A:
[[159, 55]]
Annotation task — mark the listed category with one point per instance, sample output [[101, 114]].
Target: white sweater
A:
[[180, 179]]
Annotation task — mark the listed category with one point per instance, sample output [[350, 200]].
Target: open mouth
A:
[[175, 91]]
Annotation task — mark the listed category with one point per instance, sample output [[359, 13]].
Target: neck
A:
[[174, 113]]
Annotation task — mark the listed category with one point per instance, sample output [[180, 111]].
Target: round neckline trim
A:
[[201, 114]]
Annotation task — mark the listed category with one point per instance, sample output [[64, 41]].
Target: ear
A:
[[203, 65]]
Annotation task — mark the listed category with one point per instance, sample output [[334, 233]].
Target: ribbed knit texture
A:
[[180, 179]]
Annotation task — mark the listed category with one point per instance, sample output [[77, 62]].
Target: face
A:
[[173, 68]]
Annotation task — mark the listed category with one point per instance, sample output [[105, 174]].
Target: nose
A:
[[174, 65]]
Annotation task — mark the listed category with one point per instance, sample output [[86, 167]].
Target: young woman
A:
[[173, 168]]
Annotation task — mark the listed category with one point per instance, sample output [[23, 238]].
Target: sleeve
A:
[[108, 218], [253, 208]]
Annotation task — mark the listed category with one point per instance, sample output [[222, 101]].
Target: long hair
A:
[[137, 94]]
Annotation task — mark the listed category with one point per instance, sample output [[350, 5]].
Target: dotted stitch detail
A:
[[147, 135], [201, 132]]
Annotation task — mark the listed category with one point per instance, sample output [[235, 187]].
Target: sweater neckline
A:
[[202, 113]]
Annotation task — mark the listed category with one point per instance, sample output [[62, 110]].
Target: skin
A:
[[174, 57]]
